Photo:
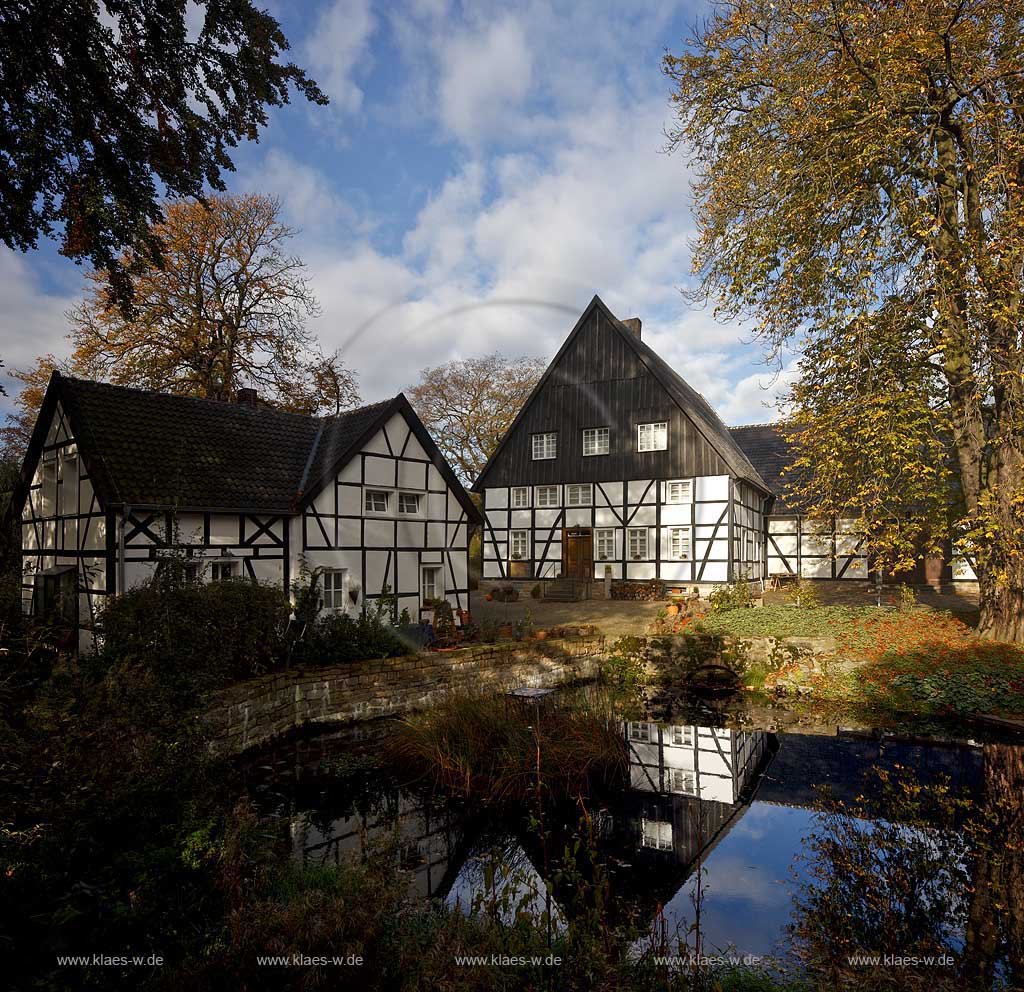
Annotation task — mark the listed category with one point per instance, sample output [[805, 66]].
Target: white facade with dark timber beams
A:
[[118, 480], [615, 464], [800, 546]]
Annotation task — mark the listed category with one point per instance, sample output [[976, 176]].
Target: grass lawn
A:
[[924, 662]]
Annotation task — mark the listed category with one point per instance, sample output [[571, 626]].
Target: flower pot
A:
[[505, 630], [540, 635], [489, 598]]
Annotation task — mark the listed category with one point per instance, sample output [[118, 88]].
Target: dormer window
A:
[[545, 446]]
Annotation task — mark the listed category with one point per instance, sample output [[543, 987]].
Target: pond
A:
[[786, 847]]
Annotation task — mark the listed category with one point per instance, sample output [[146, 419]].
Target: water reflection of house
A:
[[430, 838], [689, 784]]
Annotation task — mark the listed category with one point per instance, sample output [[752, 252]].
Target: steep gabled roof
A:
[[689, 401], [768, 448], [146, 448]]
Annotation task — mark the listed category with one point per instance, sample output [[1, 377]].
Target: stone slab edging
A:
[[251, 713]]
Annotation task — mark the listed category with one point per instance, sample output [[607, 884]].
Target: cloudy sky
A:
[[481, 172]]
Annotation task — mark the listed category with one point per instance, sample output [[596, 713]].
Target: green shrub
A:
[[803, 593], [735, 595], [338, 637], [209, 634], [626, 664]]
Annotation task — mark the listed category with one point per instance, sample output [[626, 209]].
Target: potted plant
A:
[[353, 592], [505, 631], [488, 632]]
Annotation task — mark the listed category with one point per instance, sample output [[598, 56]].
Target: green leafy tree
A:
[[110, 106], [860, 195]]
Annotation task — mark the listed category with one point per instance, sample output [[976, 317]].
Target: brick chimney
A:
[[247, 397], [634, 325]]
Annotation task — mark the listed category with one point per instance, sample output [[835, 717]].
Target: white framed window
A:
[[640, 732], [652, 437], [682, 734], [519, 544], [68, 499], [545, 446], [679, 491], [547, 495], [431, 586], [48, 489], [637, 542], [679, 543], [605, 540], [682, 780], [334, 582], [520, 497], [222, 570], [409, 504], [581, 495], [595, 441], [376, 500], [656, 834]]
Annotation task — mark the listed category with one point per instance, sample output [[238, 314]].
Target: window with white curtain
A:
[[581, 495], [595, 441], [652, 437], [637, 542], [678, 491], [679, 543], [547, 495]]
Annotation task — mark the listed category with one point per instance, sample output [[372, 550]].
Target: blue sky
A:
[[482, 171]]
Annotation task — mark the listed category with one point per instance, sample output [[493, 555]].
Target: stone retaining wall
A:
[[251, 713]]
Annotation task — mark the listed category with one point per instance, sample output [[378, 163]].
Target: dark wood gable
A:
[[599, 380]]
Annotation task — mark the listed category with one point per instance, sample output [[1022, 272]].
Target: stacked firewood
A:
[[652, 589]]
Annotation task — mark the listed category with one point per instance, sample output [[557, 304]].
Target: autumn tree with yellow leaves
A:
[[860, 174], [226, 309]]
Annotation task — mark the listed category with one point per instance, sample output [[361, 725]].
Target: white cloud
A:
[[32, 321], [485, 77], [339, 46], [310, 201]]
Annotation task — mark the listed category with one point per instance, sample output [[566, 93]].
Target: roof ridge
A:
[[221, 404]]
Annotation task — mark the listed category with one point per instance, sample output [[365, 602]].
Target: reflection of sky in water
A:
[[748, 884], [517, 886]]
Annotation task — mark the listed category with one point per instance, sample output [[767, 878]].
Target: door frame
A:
[[589, 538]]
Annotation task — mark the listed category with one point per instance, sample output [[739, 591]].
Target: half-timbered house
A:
[[118, 480], [616, 465], [800, 545]]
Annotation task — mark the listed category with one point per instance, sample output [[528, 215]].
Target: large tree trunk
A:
[[1002, 608], [995, 926]]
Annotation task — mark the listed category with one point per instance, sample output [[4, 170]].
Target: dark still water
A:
[[784, 841]]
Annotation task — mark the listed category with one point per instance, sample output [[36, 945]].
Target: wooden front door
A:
[[578, 553]]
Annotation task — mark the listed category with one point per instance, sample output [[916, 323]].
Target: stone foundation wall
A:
[[251, 713]]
